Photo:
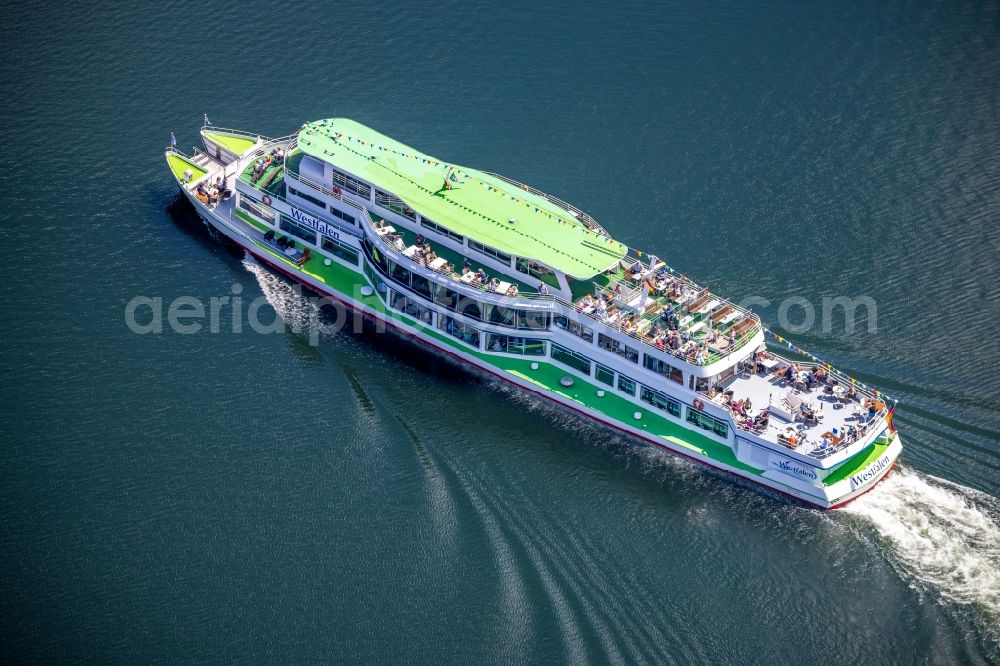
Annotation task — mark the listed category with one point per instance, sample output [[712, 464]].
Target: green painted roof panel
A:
[[478, 205]]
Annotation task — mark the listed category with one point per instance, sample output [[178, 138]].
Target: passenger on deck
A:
[[269, 236], [398, 242], [543, 289], [512, 290]]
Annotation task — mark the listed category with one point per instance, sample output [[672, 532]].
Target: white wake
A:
[[941, 535]]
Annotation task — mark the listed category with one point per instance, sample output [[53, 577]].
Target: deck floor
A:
[[766, 390]]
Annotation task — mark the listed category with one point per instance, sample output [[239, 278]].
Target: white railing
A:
[[575, 212]]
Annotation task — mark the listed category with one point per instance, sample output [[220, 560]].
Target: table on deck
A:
[[438, 263], [468, 278], [711, 305], [382, 231], [503, 287], [729, 317], [687, 319], [408, 252], [769, 363], [697, 327], [643, 326]]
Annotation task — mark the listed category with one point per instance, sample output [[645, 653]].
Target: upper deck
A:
[[648, 303]]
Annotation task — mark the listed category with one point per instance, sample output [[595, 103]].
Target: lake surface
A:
[[244, 497]]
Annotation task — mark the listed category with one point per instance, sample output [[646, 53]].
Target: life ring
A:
[[699, 404], [266, 199], [336, 191]]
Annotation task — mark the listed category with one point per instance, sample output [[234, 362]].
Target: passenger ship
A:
[[532, 290]]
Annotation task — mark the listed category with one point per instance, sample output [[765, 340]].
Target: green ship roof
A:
[[477, 205]]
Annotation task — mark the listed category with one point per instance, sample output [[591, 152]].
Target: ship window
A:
[[437, 228], [571, 358], [503, 316], [260, 211], [311, 199], [662, 367], [537, 321], [399, 274], [463, 332], [610, 344], [421, 285], [660, 400], [513, 344], [470, 308], [338, 249], [574, 327], [395, 204], [308, 235], [604, 375], [626, 385], [706, 422], [490, 252], [410, 306], [446, 297], [346, 217]]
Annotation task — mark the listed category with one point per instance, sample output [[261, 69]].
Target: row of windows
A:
[[437, 228], [490, 252], [608, 343], [706, 422], [319, 203], [339, 214], [351, 184], [463, 332], [663, 368], [338, 249], [486, 312], [574, 327], [410, 306], [511, 344], [260, 211], [571, 358], [660, 401], [297, 230]]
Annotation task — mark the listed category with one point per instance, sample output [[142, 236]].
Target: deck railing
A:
[[578, 214]]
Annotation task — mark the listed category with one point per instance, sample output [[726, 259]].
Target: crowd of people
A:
[[425, 255], [264, 162], [212, 193]]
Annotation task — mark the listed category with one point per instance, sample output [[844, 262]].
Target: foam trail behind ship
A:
[[940, 536]]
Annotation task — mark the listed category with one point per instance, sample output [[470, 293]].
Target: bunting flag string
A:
[[798, 350]]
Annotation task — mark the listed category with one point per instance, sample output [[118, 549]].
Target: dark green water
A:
[[224, 497]]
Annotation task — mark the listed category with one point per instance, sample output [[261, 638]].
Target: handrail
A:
[[586, 219]]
